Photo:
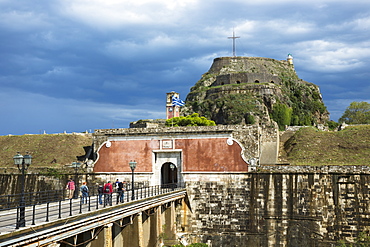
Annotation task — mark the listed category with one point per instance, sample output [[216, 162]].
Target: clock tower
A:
[[172, 110]]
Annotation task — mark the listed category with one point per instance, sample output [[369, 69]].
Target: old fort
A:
[[240, 192]]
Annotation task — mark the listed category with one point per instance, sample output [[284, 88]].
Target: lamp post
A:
[[172, 166], [132, 166], [22, 162], [76, 165]]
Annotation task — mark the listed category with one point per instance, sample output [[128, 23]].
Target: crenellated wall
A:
[[277, 209]]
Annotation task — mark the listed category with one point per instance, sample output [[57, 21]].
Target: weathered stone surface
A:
[[304, 208]]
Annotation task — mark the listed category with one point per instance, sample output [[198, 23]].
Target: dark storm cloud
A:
[[77, 65]]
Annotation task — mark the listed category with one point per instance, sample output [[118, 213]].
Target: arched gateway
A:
[[168, 173]]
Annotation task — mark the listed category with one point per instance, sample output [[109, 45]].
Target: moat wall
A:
[[277, 209], [277, 206]]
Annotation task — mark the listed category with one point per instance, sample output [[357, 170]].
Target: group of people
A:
[[71, 187], [106, 190]]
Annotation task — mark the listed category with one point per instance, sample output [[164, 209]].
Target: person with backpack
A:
[[84, 193], [107, 191]]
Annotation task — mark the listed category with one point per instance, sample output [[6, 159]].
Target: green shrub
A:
[[190, 120], [282, 115], [332, 125]]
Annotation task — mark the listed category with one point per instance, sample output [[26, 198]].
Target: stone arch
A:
[[168, 175], [160, 158], [237, 82], [256, 81], [272, 82]]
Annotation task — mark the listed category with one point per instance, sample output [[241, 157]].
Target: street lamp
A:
[[22, 162], [132, 166], [76, 165], [172, 166]]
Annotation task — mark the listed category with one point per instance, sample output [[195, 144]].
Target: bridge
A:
[[146, 218]]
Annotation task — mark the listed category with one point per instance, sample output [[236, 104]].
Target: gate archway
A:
[[168, 175]]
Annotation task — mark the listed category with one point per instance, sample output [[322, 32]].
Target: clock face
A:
[[170, 109]]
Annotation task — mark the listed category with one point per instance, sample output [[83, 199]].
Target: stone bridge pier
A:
[[151, 227]]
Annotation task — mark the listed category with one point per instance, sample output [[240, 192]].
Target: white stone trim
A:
[[170, 136]]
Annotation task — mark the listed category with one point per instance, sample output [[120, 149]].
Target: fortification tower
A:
[[172, 110], [290, 59]]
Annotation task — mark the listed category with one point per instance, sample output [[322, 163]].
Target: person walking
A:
[[84, 193], [100, 193], [116, 183], [120, 192], [107, 191], [70, 187]]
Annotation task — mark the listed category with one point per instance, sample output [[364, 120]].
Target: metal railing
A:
[[39, 197], [46, 206], [31, 198]]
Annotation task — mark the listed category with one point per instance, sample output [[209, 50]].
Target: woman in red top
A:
[[70, 188], [107, 191]]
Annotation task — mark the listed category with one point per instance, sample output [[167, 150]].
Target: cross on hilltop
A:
[[234, 37]]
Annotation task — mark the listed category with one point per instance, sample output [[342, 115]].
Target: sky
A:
[[79, 65]]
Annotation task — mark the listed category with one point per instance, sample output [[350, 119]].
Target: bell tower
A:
[[172, 110]]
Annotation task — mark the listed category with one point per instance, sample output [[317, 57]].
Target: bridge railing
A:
[[31, 198], [39, 197], [45, 211]]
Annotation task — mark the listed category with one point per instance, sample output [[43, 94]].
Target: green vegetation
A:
[[51, 151], [310, 146], [191, 120], [305, 101], [356, 113], [191, 245], [282, 115], [231, 108], [332, 125], [362, 240]]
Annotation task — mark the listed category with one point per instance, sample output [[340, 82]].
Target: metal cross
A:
[[234, 37]]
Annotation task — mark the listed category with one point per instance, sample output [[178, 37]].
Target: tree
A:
[[282, 115], [190, 120], [356, 113]]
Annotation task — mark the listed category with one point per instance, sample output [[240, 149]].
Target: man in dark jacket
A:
[[100, 193], [120, 192]]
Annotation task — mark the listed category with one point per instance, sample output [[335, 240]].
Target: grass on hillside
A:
[[310, 146], [44, 149]]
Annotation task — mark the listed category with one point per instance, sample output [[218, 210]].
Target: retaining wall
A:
[[277, 209]]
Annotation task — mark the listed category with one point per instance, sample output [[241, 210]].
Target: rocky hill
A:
[[247, 90]]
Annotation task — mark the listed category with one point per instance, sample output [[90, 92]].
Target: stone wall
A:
[[277, 209], [11, 183], [239, 78]]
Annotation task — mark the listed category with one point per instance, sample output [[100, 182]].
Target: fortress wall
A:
[[304, 208], [246, 78]]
